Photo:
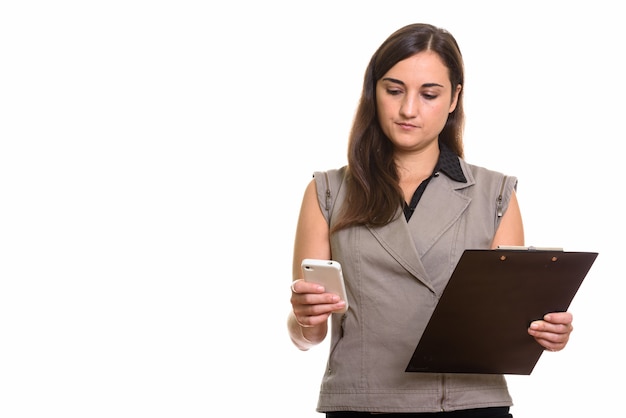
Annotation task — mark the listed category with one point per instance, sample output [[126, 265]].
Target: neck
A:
[[416, 166]]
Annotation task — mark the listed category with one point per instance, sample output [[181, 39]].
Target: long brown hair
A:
[[373, 191]]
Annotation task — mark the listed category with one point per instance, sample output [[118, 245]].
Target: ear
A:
[[455, 98]]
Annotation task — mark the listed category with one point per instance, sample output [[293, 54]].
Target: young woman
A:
[[398, 217]]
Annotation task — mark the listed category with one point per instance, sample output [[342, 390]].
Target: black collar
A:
[[449, 164]]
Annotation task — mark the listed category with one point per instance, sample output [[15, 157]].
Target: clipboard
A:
[[481, 320]]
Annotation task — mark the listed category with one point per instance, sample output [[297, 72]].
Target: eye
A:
[[429, 96], [394, 92]]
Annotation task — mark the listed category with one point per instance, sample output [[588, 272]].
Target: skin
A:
[[414, 99]]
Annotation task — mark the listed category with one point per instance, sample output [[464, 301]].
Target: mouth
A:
[[406, 125]]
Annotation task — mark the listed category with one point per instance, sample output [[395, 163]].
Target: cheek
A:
[[380, 111], [385, 109], [379, 106], [442, 119], [383, 119], [439, 113]]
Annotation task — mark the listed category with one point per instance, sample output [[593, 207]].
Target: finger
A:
[[309, 321], [293, 285], [547, 344], [551, 341], [303, 324], [549, 327], [559, 317], [552, 346]]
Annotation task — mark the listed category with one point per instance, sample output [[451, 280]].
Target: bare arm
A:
[[311, 306], [511, 229]]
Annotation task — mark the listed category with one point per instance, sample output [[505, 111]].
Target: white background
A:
[[153, 156]]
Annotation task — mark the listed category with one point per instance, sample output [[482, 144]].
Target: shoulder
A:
[[333, 172], [494, 185], [330, 188], [482, 176], [330, 179]]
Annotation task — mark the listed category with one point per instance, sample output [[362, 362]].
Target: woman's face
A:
[[414, 99]]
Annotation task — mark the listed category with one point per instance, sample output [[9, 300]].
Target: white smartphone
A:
[[328, 273]]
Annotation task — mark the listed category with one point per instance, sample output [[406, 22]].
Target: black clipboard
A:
[[480, 322]]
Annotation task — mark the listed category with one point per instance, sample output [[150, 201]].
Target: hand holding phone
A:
[[327, 273]]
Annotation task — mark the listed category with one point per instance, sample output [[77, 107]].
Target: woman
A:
[[398, 218]]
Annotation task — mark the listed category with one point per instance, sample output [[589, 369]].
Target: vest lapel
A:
[[438, 210]]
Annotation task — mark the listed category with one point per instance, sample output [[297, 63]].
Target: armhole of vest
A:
[[506, 188], [332, 180], [324, 196], [499, 200], [328, 195]]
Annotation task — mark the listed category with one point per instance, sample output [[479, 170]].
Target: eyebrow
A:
[[393, 80]]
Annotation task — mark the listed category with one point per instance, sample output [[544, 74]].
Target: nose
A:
[[409, 107]]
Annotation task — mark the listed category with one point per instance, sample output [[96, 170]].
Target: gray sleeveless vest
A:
[[394, 276]]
